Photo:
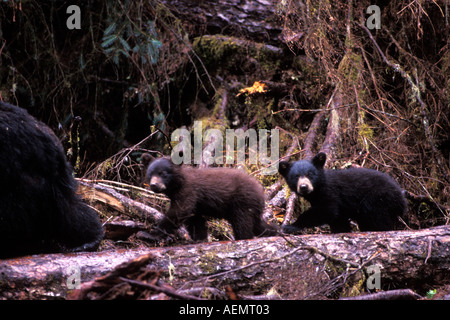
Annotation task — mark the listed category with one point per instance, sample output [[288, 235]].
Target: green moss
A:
[[365, 132], [355, 286], [221, 52], [215, 49], [350, 67], [208, 262]]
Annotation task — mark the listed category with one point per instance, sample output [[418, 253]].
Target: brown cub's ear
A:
[[284, 167], [146, 158], [319, 160]]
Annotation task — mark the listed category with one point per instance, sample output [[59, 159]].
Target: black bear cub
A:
[[209, 192], [371, 198], [39, 209]]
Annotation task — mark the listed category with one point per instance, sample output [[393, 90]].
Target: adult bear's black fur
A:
[[371, 198], [39, 209], [210, 192]]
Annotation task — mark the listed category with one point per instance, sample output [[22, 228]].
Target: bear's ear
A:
[[146, 158], [319, 160], [284, 167]]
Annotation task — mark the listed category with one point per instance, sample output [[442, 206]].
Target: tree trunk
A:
[[294, 267]]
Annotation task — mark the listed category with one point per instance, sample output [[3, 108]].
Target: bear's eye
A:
[[162, 174]]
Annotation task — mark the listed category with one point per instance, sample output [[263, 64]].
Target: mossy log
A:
[[293, 267]]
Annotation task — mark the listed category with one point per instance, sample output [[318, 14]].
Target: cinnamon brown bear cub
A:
[[371, 198], [195, 194], [39, 208]]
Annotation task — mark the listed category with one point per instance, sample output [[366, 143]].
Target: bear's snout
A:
[[157, 185], [304, 186]]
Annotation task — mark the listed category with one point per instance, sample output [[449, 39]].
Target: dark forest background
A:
[[137, 70]]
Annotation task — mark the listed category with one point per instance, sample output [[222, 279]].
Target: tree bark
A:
[[294, 267], [252, 20]]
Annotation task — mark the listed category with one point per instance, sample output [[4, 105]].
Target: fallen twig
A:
[[400, 294]]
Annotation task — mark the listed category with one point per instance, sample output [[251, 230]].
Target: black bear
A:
[[194, 194], [39, 209], [371, 198]]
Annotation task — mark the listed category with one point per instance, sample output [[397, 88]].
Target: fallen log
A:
[[98, 191], [310, 142], [290, 204], [332, 137], [294, 267], [252, 20]]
